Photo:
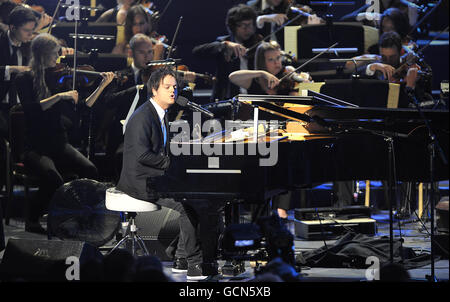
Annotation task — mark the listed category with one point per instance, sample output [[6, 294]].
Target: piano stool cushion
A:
[[116, 200]]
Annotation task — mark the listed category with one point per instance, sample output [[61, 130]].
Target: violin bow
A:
[[418, 23], [165, 9], [420, 51], [54, 16], [309, 61], [174, 37]]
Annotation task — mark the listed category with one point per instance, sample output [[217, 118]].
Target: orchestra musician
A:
[[230, 51], [48, 154], [118, 13], [14, 55], [390, 47], [274, 13], [6, 6], [146, 157], [138, 21], [265, 80]]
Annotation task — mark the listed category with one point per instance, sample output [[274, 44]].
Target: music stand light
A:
[[66, 30]]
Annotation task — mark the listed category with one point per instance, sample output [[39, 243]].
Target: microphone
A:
[[184, 102]]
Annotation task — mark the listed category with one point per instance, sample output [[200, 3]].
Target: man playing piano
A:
[[146, 158]]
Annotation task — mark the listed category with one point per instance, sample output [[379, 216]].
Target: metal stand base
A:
[[135, 240]]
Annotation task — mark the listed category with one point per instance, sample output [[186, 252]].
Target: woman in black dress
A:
[[48, 153]]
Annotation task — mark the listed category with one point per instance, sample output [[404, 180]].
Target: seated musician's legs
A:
[[43, 167], [188, 245], [199, 232]]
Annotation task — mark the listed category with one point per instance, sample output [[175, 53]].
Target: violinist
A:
[[14, 54], [393, 19], [230, 51], [274, 13], [395, 68], [265, 79], [6, 6], [48, 154], [118, 13], [138, 21]]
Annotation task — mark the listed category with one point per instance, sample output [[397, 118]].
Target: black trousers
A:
[[50, 167], [199, 229]]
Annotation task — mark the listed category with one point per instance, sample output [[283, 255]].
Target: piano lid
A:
[[276, 104], [404, 120]]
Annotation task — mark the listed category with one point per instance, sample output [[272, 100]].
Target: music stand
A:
[[101, 36], [349, 36], [362, 92]]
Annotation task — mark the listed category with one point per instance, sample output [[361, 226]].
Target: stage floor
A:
[[412, 232]]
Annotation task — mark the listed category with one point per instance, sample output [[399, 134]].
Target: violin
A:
[[181, 70], [288, 82], [207, 78], [411, 60], [85, 75]]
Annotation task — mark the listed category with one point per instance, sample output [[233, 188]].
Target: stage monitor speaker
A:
[[45, 260], [158, 229]]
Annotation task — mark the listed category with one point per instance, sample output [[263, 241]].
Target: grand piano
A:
[[315, 139]]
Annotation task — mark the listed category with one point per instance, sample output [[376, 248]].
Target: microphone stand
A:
[[432, 147]]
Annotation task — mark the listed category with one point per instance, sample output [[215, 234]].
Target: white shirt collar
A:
[[161, 112]]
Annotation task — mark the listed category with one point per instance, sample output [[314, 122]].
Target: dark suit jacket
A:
[[6, 59], [144, 154]]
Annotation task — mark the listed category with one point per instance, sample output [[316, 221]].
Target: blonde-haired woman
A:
[[48, 153]]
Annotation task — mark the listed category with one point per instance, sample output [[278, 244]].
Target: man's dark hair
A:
[[157, 76], [20, 16], [399, 19], [390, 40], [237, 14]]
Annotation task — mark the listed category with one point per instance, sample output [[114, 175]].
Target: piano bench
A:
[[116, 200]]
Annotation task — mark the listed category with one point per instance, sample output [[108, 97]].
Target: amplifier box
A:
[[334, 213], [330, 228]]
